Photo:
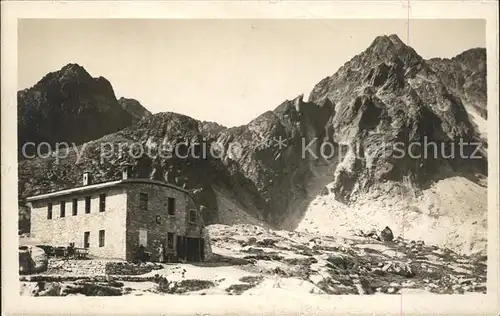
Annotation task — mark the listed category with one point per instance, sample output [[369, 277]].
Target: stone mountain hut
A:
[[112, 219]]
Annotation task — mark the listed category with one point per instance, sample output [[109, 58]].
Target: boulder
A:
[[25, 262], [48, 289], [339, 262], [39, 259], [32, 260], [399, 268], [29, 288], [372, 234], [386, 234]]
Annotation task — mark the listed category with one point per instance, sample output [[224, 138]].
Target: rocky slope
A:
[[345, 142], [251, 260], [69, 105], [412, 101], [384, 99], [451, 213]]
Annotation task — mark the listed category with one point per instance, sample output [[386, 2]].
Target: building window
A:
[[171, 206], [87, 204], [101, 238], [86, 239], [49, 211], [102, 202], [143, 201], [143, 237], [170, 240], [63, 209], [192, 216], [75, 207]]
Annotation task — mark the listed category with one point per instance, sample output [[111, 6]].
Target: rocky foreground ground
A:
[[251, 260]]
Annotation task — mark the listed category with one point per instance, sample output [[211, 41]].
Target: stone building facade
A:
[[112, 219]]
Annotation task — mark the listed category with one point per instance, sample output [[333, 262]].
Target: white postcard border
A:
[[240, 305]]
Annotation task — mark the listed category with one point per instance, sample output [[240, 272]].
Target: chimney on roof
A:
[[126, 172], [87, 178]]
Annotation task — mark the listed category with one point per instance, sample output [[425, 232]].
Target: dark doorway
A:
[[195, 250], [181, 247]]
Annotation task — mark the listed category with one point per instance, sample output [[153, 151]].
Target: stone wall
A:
[[158, 209], [77, 267], [129, 268], [60, 231], [99, 267]]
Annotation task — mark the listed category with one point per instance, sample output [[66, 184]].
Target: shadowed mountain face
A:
[[385, 98], [70, 106]]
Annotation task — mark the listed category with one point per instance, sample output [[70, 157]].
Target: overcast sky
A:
[[228, 71]]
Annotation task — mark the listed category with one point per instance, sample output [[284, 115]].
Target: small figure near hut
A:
[[161, 253], [140, 255], [70, 250]]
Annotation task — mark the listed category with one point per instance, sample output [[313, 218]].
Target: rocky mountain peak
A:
[[395, 39], [74, 70], [391, 49], [71, 72], [387, 40], [71, 106], [134, 108], [390, 94]]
